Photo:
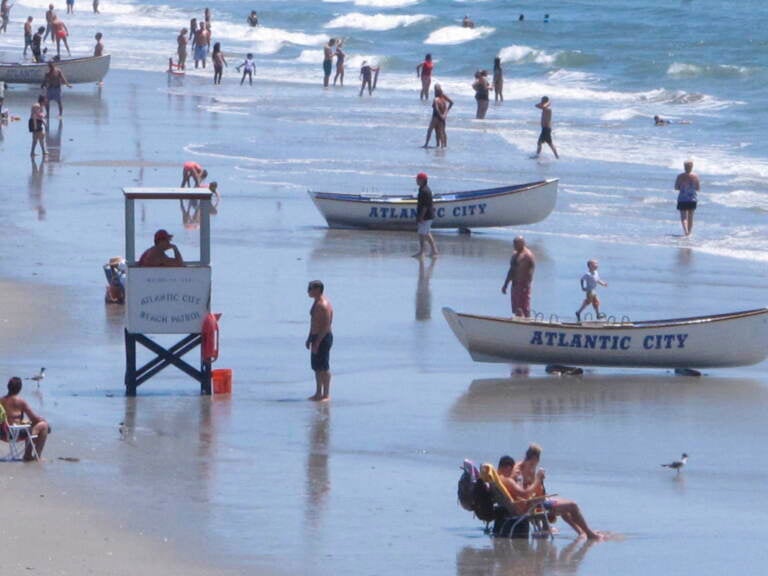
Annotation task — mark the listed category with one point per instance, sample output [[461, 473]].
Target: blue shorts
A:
[[201, 52], [53, 93]]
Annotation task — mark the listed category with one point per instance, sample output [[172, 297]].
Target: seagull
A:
[[39, 377], [677, 464]]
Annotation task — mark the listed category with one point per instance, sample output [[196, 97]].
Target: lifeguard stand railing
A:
[[166, 300]]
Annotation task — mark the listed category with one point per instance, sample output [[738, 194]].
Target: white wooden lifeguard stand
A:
[[166, 300]]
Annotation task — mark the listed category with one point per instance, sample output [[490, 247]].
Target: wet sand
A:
[[265, 480]]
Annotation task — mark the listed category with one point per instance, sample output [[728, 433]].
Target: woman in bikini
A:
[[424, 71]]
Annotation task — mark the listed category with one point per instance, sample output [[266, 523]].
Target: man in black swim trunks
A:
[[320, 340], [546, 126]]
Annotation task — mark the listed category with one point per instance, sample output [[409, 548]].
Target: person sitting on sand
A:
[[18, 412], [589, 283], [193, 171], [568, 510], [253, 19], [156, 255]]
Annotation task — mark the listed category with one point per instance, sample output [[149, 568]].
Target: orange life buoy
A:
[[210, 338]]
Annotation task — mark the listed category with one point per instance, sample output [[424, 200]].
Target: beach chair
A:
[[16, 437], [515, 518]]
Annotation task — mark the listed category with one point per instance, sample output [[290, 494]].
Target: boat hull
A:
[[737, 339], [76, 70], [506, 206]]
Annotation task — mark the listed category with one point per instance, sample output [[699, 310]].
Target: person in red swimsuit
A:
[[424, 71], [193, 171]]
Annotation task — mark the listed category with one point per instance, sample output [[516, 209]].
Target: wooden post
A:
[[130, 364], [205, 380]]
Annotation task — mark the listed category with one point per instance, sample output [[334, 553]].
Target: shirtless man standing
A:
[[546, 126], [687, 184], [320, 340], [532, 478], [521, 268], [328, 53], [49, 17], [52, 82], [202, 41]]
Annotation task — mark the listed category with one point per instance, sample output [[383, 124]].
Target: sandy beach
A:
[[265, 482]]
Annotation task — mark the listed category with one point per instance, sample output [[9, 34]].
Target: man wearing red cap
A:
[[156, 255], [425, 213]]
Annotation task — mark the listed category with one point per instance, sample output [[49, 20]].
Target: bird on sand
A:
[[677, 464], [39, 377]]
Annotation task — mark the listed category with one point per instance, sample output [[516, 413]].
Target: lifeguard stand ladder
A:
[[166, 300]]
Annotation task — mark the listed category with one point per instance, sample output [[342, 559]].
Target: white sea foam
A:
[[748, 199], [621, 115], [719, 70], [516, 54], [377, 3], [450, 35], [375, 22]]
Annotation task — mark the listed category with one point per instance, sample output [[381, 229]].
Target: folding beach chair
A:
[[17, 438], [510, 521]]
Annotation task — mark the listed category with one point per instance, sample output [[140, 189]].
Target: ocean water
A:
[[366, 485], [608, 71]]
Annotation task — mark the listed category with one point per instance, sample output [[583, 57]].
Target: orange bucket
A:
[[222, 381]]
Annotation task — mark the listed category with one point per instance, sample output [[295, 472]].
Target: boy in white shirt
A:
[[589, 283]]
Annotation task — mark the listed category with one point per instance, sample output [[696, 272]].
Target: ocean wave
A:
[[375, 22], [747, 199], [714, 71], [105, 8], [450, 35], [523, 54], [677, 97], [352, 61], [377, 3], [621, 115]]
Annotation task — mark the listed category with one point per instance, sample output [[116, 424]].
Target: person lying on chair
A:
[[17, 409], [567, 509]]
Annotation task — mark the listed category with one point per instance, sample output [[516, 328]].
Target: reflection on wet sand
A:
[[53, 141], [366, 243], [318, 477], [186, 445], [510, 399], [522, 557], [423, 292], [684, 257], [35, 188]]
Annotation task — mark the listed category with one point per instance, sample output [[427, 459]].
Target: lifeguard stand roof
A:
[[167, 193]]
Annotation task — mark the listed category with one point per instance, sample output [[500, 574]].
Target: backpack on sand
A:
[[474, 495]]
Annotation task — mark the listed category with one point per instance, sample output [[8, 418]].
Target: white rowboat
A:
[[736, 339], [505, 206], [76, 70]]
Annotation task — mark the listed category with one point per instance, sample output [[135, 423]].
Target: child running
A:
[[249, 67], [589, 283]]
